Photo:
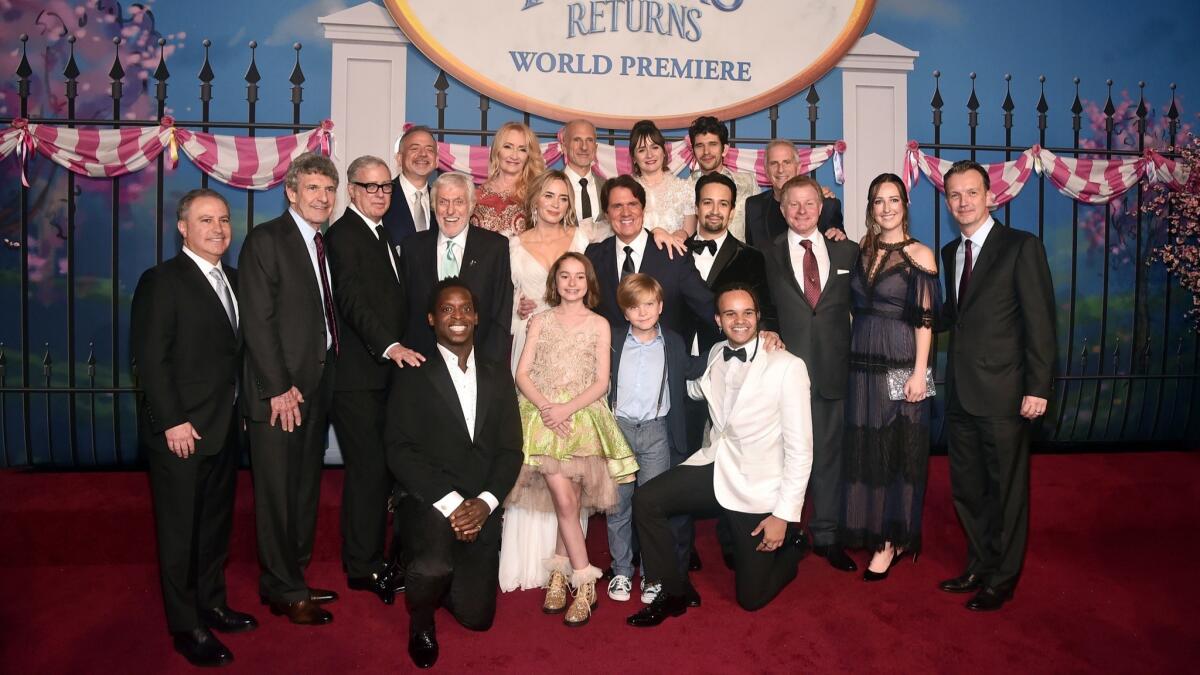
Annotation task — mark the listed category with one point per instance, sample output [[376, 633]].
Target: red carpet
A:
[[1109, 586]]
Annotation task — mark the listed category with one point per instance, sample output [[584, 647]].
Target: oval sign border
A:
[[404, 17]]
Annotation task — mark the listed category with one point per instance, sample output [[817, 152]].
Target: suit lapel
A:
[[757, 366], [783, 250], [439, 377], [483, 393], [299, 251], [470, 256], [715, 398], [992, 248], [202, 288], [833, 252], [725, 256], [948, 252]]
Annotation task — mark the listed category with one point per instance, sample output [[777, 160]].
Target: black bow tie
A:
[[697, 245], [739, 354]]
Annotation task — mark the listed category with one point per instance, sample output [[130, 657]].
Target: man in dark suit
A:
[[809, 277], [475, 255], [373, 309], [454, 442], [1000, 313], [631, 250], [290, 328], [764, 218], [411, 210], [188, 352]]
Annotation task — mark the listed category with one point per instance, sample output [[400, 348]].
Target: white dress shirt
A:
[[307, 232], [460, 245], [410, 194], [467, 387], [819, 250], [592, 188], [639, 247], [373, 227], [977, 241], [206, 269], [703, 259], [730, 375]]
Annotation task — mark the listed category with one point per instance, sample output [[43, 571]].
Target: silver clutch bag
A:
[[896, 377]]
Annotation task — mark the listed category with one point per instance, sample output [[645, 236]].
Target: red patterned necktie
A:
[[326, 296], [812, 276]]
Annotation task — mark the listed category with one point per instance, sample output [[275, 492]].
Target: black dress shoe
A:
[[962, 584], [302, 612], [727, 558], [201, 648], [694, 564], [395, 575], [836, 557], [664, 605], [423, 648], [797, 539], [322, 596], [227, 620], [378, 583], [690, 596], [988, 599]]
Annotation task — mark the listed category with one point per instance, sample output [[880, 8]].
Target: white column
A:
[[874, 118], [367, 96]]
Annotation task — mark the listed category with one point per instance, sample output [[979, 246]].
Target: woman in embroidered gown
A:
[[670, 200], [529, 535], [574, 452], [514, 161], [895, 297]]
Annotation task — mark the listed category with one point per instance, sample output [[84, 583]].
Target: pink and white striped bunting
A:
[[254, 163], [1091, 181]]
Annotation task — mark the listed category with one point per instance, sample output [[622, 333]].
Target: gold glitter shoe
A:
[[584, 583], [556, 589]]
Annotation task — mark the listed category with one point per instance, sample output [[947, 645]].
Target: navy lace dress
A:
[[886, 451]]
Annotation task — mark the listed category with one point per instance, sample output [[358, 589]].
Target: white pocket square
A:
[[843, 271]]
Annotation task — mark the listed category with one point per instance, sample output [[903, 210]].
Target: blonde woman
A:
[[516, 159]]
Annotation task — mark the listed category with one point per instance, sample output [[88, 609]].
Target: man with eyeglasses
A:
[[373, 311]]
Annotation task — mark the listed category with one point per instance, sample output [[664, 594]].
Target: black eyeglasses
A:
[[372, 188]]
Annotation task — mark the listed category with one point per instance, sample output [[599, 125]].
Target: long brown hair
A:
[[872, 239], [593, 284], [535, 189]]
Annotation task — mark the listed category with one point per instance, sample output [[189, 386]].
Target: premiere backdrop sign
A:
[[619, 61]]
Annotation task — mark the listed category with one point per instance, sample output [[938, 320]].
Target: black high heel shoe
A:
[[868, 575]]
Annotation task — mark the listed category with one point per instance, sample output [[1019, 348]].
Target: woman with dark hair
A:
[[574, 451], [895, 297], [670, 202]]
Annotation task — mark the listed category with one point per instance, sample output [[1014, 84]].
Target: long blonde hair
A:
[[534, 165], [535, 189]]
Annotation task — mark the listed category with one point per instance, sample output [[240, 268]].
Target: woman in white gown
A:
[[670, 200], [528, 536]]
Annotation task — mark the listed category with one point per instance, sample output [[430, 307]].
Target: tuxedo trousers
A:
[[287, 493], [758, 575], [358, 419], [989, 482], [193, 517], [441, 570], [825, 482]]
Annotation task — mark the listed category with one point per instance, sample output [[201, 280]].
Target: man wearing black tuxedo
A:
[[630, 249], [187, 346], [475, 255], [373, 309], [454, 443], [764, 218], [809, 276], [290, 327], [999, 375], [411, 209]]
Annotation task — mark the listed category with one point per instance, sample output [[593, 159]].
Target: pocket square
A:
[[843, 271]]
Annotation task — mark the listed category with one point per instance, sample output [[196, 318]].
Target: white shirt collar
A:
[[204, 265], [720, 240], [452, 360], [306, 228], [638, 244], [370, 223], [816, 238], [981, 234], [408, 188], [575, 176], [459, 239]]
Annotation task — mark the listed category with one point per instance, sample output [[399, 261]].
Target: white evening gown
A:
[[528, 536]]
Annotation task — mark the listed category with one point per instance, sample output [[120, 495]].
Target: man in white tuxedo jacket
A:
[[753, 471]]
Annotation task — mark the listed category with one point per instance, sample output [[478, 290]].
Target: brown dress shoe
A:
[[303, 612]]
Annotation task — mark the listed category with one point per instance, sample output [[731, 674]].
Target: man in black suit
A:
[[1000, 313], [454, 442], [411, 209], [475, 255], [290, 328], [373, 309], [630, 250], [764, 218], [809, 276], [188, 352]]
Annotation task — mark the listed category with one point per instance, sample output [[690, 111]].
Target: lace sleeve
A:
[[924, 299]]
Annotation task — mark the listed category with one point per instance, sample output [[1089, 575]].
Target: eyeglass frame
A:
[[372, 188]]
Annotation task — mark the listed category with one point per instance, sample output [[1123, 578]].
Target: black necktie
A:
[[387, 245], [739, 354], [585, 200], [627, 266], [700, 245], [965, 278]]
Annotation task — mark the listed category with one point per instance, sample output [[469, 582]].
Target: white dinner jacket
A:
[[763, 452]]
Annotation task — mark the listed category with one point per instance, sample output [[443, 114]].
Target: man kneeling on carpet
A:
[[753, 471], [454, 443]]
